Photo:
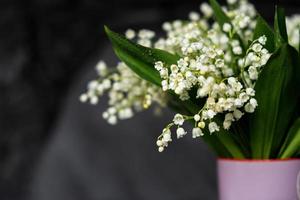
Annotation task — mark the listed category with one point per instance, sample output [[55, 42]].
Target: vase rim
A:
[[258, 160]]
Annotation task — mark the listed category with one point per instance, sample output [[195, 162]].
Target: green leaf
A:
[[139, 58], [138, 66], [280, 27], [292, 143], [277, 93], [262, 28]]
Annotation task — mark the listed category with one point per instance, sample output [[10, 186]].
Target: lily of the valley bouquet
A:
[[226, 71]]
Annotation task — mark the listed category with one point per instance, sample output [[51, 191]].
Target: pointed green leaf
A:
[[139, 58], [292, 143], [277, 94], [141, 68], [262, 28], [280, 27]]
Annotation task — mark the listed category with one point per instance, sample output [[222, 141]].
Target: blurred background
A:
[[52, 146]]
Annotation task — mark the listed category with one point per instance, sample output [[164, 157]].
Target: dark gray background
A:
[[53, 147]]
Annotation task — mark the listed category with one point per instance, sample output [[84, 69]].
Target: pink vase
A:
[[259, 179]]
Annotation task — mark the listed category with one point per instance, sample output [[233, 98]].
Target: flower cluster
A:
[[256, 57], [215, 61], [126, 91]]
